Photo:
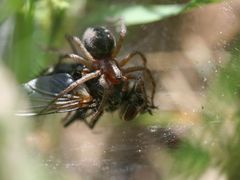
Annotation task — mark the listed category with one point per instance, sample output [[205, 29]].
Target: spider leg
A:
[[129, 57], [77, 58], [80, 81], [140, 68], [73, 86], [75, 40], [73, 46], [123, 31]]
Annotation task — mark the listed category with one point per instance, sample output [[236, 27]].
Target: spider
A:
[[98, 53]]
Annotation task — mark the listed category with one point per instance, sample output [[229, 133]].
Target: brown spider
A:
[[99, 50]]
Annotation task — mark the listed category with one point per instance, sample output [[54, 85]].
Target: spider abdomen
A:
[[99, 42]]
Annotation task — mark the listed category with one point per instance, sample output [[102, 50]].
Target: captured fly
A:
[[43, 90]]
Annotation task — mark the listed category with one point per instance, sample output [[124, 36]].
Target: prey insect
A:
[[43, 90], [118, 87]]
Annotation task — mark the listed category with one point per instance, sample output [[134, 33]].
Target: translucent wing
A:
[[43, 91]]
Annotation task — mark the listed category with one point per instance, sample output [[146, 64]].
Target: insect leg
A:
[[78, 115], [129, 57], [123, 31], [77, 58], [65, 120], [99, 111], [94, 119], [140, 68], [80, 46]]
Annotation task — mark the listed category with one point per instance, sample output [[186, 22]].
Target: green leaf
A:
[[137, 13], [141, 14], [8, 8]]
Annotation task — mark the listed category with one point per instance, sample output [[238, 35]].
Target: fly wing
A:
[[44, 90]]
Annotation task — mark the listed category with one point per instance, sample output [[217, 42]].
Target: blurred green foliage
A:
[[217, 145], [198, 3]]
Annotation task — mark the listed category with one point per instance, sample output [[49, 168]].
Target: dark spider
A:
[[106, 79], [99, 51]]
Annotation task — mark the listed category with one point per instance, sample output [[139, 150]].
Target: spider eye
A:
[[99, 42]]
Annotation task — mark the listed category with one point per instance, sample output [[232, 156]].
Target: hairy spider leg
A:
[[140, 68], [72, 45], [76, 58], [80, 46], [122, 34], [130, 56], [73, 86]]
